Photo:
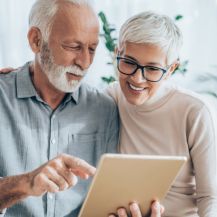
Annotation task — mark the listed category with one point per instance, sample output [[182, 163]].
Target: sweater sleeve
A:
[[202, 145]]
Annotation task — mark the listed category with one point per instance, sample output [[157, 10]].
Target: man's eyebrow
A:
[[79, 42], [96, 43]]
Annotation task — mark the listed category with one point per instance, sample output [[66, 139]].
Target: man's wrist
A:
[[26, 185], [13, 189]]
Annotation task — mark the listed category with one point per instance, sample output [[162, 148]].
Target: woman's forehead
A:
[[144, 53]]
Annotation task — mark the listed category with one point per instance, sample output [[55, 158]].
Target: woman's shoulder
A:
[[193, 102], [187, 96]]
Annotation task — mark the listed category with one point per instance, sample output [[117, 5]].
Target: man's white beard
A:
[[57, 74]]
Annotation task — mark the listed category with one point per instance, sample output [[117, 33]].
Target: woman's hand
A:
[[156, 210], [6, 70]]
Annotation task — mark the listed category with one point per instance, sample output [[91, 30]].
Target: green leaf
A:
[[102, 17], [109, 79], [178, 17]]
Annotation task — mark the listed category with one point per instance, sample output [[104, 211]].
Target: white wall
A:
[[199, 28]]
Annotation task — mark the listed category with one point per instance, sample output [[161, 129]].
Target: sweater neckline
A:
[[163, 94]]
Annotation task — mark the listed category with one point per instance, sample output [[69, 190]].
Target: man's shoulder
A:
[[8, 76], [7, 81], [99, 97], [99, 106]]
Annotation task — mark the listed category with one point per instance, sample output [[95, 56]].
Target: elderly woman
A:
[[158, 118]]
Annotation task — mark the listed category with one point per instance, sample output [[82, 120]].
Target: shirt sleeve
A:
[[202, 145], [112, 138], [2, 212]]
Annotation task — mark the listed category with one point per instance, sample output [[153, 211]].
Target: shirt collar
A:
[[75, 96], [26, 89]]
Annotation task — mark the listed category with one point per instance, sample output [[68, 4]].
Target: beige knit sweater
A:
[[175, 122]]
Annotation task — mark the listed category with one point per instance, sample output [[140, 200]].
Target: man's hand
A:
[[156, 211], [55, 175], [6, 70], [58, 174]]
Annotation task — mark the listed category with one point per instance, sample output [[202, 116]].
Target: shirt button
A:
[[53, 141], [50, 195]]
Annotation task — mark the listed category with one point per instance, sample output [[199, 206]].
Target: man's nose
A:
[[83, 59]]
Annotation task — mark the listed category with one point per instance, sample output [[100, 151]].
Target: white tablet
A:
[[122, 179]]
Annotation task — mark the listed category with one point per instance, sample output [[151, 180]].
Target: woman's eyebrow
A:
[[149, 63], [131, 58]]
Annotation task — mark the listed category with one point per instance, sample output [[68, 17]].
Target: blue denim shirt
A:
[[84, 125]]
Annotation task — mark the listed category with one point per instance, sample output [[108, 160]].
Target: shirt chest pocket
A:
[[89, 147]]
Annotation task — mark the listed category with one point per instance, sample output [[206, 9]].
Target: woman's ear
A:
[[174, 66], [172, 69], [35, 39]]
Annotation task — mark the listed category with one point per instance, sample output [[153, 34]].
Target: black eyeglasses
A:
[[150, 73]]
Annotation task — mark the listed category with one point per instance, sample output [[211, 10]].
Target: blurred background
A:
[[196, 18]]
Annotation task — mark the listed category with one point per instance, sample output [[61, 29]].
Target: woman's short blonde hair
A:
[[152, 28]]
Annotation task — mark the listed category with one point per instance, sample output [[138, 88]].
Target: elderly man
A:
[[48, 116], [46, 112]]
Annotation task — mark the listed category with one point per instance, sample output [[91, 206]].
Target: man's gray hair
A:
[[43, 12], [153, 28]]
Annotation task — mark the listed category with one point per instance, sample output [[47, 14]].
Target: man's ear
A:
[[35, 39]]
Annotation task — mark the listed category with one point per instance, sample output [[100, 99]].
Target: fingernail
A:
[[86, 176], [157, 205], [121, 212], [134, 206], [66, 187]]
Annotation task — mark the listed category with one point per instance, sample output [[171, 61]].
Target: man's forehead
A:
[[77, 18], [75, 12]]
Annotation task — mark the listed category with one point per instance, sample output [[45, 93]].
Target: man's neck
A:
[[44, 88]]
